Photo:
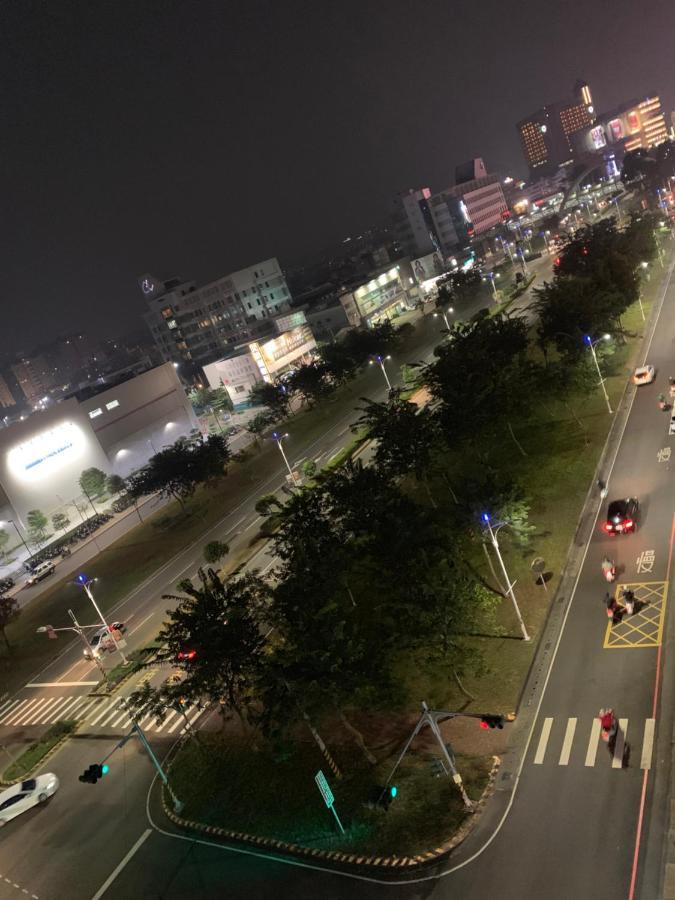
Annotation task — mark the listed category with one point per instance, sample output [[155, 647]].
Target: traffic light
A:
[[491, 721], [94, 772], [382, 797]]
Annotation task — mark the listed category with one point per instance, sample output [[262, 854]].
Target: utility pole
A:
[[591, 345]]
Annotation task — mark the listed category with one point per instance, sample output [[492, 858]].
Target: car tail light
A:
[[628, 524], [608, 526]]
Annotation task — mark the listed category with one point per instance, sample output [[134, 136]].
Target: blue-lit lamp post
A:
[[591, 345], [277, 437], [85, 583], [381, 360], [509, 584]]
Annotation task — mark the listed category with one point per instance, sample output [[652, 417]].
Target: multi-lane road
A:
[[565, 818]]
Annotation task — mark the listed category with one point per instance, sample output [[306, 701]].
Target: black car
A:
[[6, 584], [622, 516]]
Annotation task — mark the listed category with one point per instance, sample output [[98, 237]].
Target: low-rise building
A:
[[116, 430], [386, 294], [262, 360]]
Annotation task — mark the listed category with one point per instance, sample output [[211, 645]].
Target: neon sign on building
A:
[[46, 452]]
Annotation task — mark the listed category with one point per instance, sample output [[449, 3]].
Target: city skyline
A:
[[156, 143]]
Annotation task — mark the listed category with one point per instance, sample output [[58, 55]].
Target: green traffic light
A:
[[105, 768], [393, 791]]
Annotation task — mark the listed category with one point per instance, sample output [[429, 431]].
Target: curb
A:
[[342, 858]]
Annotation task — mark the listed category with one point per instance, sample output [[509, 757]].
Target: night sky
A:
[[193, 138]]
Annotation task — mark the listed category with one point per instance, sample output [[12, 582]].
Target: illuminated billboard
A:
[[282, 351], [598, 137], [633, 119], [47, 452], [426, 267], [616, 129]]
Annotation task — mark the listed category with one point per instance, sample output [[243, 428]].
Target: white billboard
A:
[[44, 454]]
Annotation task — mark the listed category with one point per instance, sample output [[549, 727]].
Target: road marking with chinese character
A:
[[663, 455], [645, 561]]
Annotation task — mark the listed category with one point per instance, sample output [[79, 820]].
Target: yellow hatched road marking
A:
[[643, 628]]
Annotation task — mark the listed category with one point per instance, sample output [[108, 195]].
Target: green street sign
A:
[[324, 787]]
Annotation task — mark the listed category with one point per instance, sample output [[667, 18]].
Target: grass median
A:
[[29, 760], [225, 781]]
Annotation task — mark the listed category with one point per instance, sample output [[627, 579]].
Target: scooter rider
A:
[[608, 569]]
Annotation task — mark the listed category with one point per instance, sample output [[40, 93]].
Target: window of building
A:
[[95, 412]]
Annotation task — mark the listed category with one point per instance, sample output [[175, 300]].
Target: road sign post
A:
[[328, 797]]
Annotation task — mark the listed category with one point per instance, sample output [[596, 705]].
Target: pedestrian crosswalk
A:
[[573, 741], [97, 713]]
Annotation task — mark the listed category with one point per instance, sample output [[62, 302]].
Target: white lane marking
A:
[[114, 719], [334, 453], [27, 711], [103, 712], [87, 708], [31, 719], [567, 742], [592, 750], [74, 666], [167, 720], [60, 684], [647, 744], [254, 522], [620, 743], [237, 524], [181, 719], [6, 705], [12, 707], [71, 704], [543, 741], [116, 871], [47, 711], [144, 621]]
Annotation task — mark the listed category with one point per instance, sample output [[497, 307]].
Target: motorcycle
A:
[[608, 725], [608, 570], [663, 403]]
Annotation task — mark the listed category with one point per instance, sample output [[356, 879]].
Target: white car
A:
[[40, 572], [26, 794], [644, 375], [104, 642]]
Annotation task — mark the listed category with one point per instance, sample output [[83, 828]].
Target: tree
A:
[[309, 468], [276, 397], [221, 400], [215, 551], [4, 540], [178, 470], [221, 623], [259, 424], [37, 524], [60, 521], [115, 484], [92, 481], [482, 376], [311, 381], [9, 612], [404, 433]]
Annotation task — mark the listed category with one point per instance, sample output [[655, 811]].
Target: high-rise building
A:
[[476, 202], [6, 397], [34, 376], [414, 225], [198, 325], [546, 135]]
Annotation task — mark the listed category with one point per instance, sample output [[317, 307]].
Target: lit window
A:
[[95, 412], [113, 404]]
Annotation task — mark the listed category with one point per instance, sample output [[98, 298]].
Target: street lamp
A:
[[85, 582], [509, 590], [278, 438], [591, 345], [491, 278], [79, 631], [445, 318], [21, 537], [381, 360]]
